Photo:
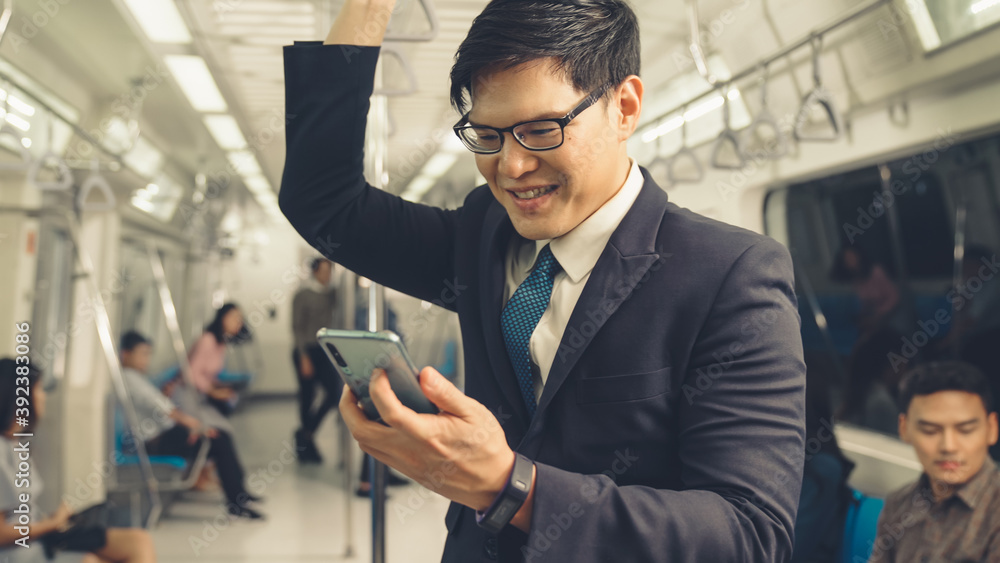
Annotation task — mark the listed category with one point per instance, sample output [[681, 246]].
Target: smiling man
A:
[[952, 513], [634, 384]]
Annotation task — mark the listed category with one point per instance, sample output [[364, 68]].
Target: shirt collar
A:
[[972, 491], [578, 250], [313, 284]]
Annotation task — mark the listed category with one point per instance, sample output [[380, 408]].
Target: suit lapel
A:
[[497, 230], [629, 254]]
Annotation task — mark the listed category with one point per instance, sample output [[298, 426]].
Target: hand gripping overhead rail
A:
[[809, 39]]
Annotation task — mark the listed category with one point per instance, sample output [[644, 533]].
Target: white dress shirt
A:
[[577, 252]]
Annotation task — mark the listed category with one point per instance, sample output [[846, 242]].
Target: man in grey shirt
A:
[[166, 430], [312, 309]]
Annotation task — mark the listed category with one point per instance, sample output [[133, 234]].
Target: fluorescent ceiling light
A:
[[703, 108], [16, 121], [984, 5], [196, 81], [160, 20], [226, 131], [418, 187], [17, 104], [257, 184], [245, 163], [26, 142], [144, 158], [143, 204], [439, 164]]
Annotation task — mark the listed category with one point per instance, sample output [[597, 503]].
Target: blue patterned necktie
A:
[[521, 315]]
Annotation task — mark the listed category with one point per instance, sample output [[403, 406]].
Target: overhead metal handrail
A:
[[728, 136], [96, 181], [103, 322], [817, 96], [765, 118], [779, 54], [700, 61], [8, 13], [411, 76], [429, 35], [64, 177], [684, 152], [659, 158]]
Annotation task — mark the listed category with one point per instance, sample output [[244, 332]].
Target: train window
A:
[[942, 23], [876, 274]]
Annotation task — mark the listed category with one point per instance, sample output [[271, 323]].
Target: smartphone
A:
[[355, 353]]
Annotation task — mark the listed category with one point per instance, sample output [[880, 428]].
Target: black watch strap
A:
[[510, 499]]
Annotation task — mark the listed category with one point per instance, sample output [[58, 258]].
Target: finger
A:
[[361, 427], [445, 395], [393, 412]]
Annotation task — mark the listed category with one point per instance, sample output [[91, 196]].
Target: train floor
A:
[[304, 505]]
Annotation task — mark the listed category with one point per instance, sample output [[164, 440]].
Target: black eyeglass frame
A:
[[563, 121]]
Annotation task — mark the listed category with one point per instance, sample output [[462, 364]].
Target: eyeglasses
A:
[[537, 135]]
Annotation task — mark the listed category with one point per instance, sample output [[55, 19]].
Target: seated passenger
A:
[[819, 524], [208, 355], [877, 293], [952, 513], [131, 545], [166, 430], [870, 397]]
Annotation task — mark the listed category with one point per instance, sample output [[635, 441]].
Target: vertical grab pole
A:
[[103, 322], [170, 314], [958, 255], [378, 140], [349, 284]]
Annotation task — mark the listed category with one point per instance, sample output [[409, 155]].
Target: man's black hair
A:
[[595, 42], [316, 263], [933, 377], [131, 339]]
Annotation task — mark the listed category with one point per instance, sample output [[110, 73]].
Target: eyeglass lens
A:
[[534, 135]]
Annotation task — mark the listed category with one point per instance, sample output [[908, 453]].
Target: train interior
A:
[[142, 149]]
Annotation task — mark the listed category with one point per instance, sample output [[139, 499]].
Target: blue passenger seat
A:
[[860, 528]]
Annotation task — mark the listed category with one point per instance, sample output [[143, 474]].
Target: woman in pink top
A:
[[208, 355]]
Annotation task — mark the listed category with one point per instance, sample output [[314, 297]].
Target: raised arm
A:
[[324, 194]]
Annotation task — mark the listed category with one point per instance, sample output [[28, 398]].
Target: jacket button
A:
[[490, 547]]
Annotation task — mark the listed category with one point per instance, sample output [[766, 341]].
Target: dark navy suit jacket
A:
[[671, 424]]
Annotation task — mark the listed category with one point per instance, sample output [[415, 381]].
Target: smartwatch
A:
[[510, 499]]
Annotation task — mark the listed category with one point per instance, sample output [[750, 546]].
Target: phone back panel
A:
[[363, 352]]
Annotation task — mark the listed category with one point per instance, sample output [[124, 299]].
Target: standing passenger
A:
[[312, 309], [644, 362], [952, 513]]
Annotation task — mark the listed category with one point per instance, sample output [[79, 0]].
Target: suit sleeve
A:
[[324, 195], [740, 422]]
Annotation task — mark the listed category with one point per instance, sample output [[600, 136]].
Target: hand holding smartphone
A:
[[356, 353]]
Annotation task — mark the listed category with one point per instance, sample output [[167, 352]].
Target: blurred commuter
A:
[[313, 308], [825, 497], [60, 531], [208, 355], [870, 397], [952, 512], [173, 432], [877, 293]]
